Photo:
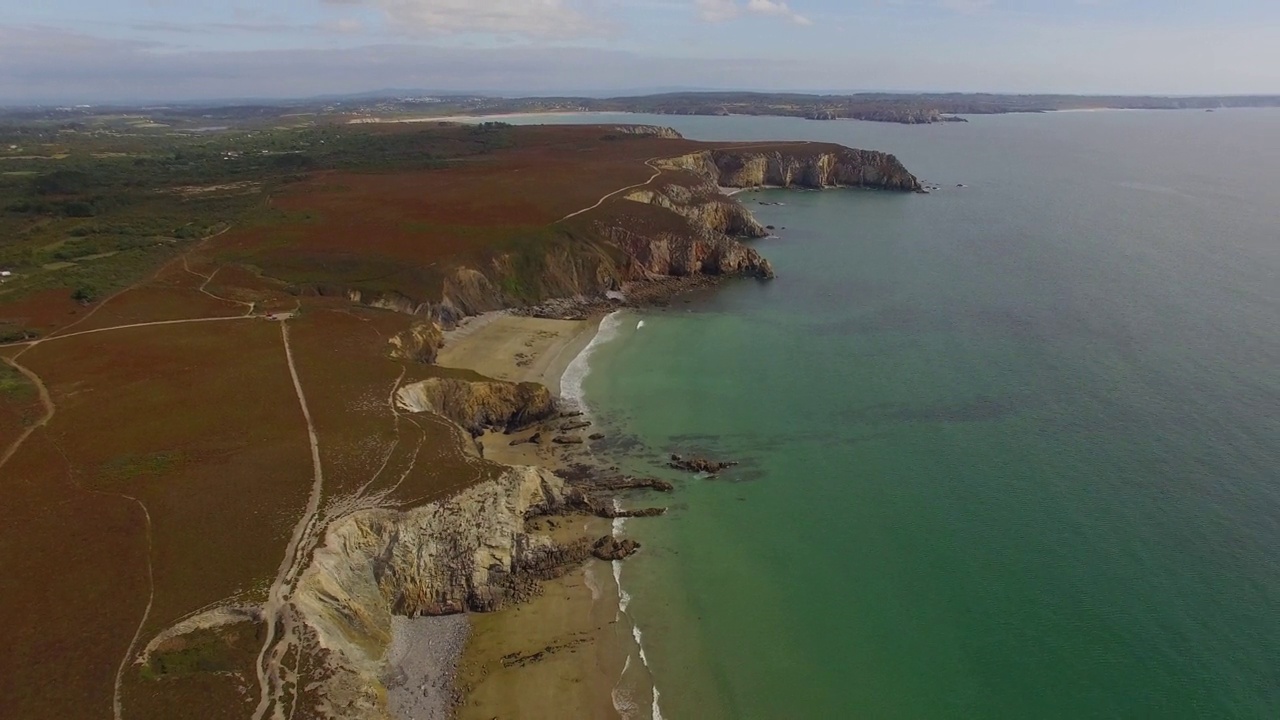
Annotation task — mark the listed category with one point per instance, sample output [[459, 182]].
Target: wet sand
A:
[[557, 656]]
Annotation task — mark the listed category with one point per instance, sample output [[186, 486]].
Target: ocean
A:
[[1009, 450]]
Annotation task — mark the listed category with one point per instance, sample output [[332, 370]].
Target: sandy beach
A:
[[517, 348], [561, 654]]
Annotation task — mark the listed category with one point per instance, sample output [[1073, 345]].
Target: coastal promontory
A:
[[235, 455]]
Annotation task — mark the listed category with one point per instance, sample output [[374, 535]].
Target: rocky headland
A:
[[680, 230], [486, 546]]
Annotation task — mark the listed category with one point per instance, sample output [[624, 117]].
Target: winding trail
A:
[[658, 171], [270, 681], [601, 201], [116, 703], [107, 300], [45, 400]]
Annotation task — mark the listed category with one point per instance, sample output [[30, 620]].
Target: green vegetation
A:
[[205, 651], [86, 208], [154, 465], [13, 384]]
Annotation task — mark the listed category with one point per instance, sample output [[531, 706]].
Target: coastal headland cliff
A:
[[253, 555], [472, 551], [679, 224]]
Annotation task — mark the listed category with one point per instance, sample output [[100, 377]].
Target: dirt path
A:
[[45, 401], [208, 279], [657, 172], [601, 201], [116, 703], [145, 280], [49, 409], [271, 682]]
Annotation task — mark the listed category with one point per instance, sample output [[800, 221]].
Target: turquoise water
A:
[[1010, 450]]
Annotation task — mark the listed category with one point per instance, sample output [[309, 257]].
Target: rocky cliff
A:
[[468, 552], [679, 225], [420, 343], [808, 165], [701, 237], [479, 406], [653, 130]]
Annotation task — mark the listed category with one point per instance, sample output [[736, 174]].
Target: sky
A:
[[97, 51]]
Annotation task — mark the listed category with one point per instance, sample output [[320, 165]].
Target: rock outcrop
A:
[[661, 131], [478, 406], [704, 207], [813, 166], [698, 465], [680, 226], [469, 552], [420, 343], [677, 254], [610, 548]]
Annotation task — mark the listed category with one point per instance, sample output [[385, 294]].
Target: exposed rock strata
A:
[[807, 166], [420, 343], [661, 131], [481, 405], [681, 226], [469, 552]]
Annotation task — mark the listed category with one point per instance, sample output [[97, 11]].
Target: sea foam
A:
[[578, 369]]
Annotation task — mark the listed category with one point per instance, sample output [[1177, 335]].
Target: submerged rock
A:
[[698, 465]]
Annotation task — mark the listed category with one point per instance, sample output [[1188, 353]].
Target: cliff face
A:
[[705, 243], [706, 209], [420, 343], [679, 225], [469, 552], [667, 254], [479, 406], [653, 130], [808, 166]]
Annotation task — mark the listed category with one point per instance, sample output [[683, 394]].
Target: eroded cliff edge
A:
[[680, 224], [473, 551], [467, 552]]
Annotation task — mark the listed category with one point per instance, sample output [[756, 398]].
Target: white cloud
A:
[[529, 18], [721, 10]]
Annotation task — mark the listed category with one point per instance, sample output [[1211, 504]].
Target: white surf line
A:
[[602, 200], [117, 704], [276, 595]]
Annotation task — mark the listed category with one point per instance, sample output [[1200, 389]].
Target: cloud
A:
[[528, 18], [52, 66], [717, 10], [721, 10]]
